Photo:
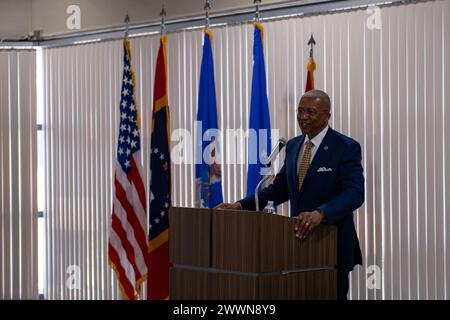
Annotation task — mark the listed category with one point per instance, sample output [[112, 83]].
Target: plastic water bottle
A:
[[269, 208]]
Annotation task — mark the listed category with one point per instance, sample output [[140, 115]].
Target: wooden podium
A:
[[224, 254]]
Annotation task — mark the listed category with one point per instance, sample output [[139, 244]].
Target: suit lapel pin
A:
[[325, 148]]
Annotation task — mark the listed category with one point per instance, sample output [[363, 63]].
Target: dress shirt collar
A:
[[317, 140]]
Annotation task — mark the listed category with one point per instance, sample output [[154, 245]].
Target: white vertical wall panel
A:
[[18, 175]]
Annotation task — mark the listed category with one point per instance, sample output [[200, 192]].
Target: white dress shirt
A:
[[316, 141]]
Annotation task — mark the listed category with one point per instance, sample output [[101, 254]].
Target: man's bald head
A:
[[321, 96], [313, 112]]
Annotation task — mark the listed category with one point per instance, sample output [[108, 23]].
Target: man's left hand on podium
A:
[[229, 206], [306, 222]]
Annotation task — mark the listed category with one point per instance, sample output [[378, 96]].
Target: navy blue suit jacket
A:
[[337, 189]]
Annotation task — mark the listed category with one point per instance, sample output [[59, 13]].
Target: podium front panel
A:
[[251, 241], [198, 285], [190, 236]]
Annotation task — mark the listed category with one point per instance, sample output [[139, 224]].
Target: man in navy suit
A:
[[323, 178]]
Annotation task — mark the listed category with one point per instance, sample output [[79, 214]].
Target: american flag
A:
[[127, 247]]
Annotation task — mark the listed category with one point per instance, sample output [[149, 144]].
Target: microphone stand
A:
[[266, 173]]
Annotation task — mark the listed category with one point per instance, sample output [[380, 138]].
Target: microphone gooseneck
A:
[[273, 155]]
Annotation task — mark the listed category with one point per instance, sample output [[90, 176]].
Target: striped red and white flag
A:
[[127, 247]]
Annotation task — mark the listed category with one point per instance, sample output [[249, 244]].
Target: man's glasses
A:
[[309, 112]]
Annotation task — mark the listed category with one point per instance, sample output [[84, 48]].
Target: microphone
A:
[[275, 151]]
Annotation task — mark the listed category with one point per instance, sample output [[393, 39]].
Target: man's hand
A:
[[229, 206], [307, 221]]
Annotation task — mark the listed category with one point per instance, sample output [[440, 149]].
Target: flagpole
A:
[[128, 164], [161, 180], [259, 118], [208, 176], [126, 20]]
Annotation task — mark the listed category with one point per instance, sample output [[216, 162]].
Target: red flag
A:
[[311, 66], [127, 245], [160, 185]]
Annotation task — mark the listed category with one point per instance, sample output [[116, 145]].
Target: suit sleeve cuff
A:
[[247, 203], [325, 220]]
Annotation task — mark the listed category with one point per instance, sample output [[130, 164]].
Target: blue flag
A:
[[207, 167], [259, 115]]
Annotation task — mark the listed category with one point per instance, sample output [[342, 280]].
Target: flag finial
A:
[[311, 43], [163, 22], [127, 21], [207, 7], [257, 2]]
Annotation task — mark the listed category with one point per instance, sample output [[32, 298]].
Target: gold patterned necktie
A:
[[304, 165]]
